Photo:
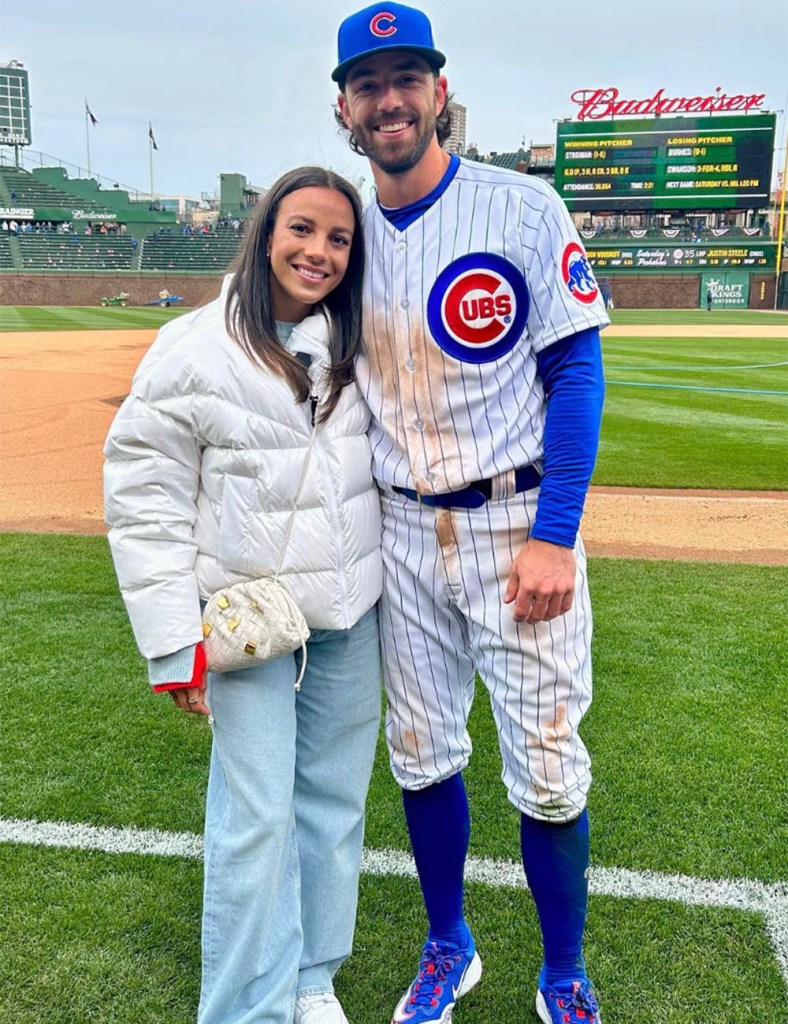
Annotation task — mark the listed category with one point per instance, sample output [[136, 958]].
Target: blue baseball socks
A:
[[555, 858], [440, 826]]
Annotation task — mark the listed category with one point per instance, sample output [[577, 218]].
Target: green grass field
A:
[[679, 412], [688, 920], [685, 731], [84, 318], [89, 318], [699, 316], [695, 412]]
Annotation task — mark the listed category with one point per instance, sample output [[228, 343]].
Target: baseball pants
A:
[[443, 620]]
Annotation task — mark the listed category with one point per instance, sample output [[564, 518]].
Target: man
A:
[[483, 373]]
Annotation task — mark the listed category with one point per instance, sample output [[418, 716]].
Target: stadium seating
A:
[[210, 252], [6, 256], [51, 251], [509, 161], [29, 191]]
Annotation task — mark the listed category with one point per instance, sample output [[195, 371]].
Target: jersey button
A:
[[404, 304], [419, 424], [410, 365], [402, 246]]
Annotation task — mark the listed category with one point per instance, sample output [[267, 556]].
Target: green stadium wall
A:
[[677, 291], [110, 205], [630, 291]]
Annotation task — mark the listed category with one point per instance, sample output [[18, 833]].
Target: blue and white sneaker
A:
[[446, 972], [571, 1002]]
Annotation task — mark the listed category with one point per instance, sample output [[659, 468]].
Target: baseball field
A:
[[103, 784]]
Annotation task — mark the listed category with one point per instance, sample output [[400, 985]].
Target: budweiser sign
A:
[[598, 103]]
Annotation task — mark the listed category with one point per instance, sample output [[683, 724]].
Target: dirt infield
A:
[[59, 392]]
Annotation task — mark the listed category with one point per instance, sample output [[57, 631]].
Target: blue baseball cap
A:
[[385, 26]]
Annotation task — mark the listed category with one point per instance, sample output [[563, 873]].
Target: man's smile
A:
[[393, 127]]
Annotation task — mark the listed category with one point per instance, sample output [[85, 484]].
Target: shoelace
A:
[[581, 1000], [433, 970]]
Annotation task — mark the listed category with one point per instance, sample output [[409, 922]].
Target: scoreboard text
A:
[[666, 163], [710, 256]]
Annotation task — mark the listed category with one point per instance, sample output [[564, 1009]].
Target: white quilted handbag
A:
[[250, 622], [256, 620]]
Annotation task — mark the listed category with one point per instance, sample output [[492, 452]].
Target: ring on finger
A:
[[192, 700]]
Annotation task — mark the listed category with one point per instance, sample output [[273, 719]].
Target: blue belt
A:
[[475, 494]]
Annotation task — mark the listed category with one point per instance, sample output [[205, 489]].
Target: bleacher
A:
[[509, 161], [50, 251], [25, 190], [210, 252], [6, 256]]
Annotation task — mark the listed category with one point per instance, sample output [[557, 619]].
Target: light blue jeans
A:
[[284, 824]]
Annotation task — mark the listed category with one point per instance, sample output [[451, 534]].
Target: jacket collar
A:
[[311, 336]]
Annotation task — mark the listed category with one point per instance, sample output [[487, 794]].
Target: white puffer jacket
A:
[[203, 464]]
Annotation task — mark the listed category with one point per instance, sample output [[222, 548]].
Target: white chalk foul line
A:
[[95, 837], [768, 899]]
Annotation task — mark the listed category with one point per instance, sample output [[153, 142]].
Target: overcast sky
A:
[[244, 85]]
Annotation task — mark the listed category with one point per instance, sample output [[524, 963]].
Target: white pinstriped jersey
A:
[[456, 306]]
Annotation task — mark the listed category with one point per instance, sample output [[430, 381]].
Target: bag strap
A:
[[290, 521], [288, 531]]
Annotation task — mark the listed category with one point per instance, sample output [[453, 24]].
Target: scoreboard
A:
[[666, 163], [14, 105], [617, 256]]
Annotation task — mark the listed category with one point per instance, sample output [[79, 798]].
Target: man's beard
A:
[[387, 158]]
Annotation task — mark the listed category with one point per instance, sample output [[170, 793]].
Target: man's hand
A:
[[541, 581]]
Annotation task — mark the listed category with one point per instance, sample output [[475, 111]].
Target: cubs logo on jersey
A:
[[478, 307], [578, 275]]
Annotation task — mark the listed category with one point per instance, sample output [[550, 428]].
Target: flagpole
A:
[[150, 150], [87, 135]]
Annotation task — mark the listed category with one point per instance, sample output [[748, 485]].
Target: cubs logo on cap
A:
[[478, 307], [385, 26], [578, 275]]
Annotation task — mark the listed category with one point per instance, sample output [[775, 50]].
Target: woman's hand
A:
[[191, 699]]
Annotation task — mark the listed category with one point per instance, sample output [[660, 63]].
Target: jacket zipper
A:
[[334, 510]]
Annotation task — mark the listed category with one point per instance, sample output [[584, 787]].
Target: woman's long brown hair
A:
[[249, 314]]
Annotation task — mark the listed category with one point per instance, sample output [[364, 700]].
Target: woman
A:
[[204, 464]]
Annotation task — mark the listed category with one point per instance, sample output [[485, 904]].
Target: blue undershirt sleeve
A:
[[574, 387], [172, 668]]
